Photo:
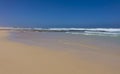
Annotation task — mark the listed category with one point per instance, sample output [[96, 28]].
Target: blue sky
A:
[[60, 13]]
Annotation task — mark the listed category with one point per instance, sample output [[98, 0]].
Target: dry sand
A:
[[17, 58]]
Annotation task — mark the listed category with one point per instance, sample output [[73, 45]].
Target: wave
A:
[[112, 34], [88, 31], [97, 33], [67, 29], [85, 29]]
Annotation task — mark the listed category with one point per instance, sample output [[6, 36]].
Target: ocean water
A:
[[107, 41], [88, 45], [99, 48], [88, 31]]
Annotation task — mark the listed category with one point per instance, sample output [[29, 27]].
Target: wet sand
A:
[[19, 58]]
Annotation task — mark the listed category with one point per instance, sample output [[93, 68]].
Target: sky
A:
[[60, 13]]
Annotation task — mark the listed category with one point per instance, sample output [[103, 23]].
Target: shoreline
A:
[[18, 58]]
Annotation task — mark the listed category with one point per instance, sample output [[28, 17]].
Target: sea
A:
[[107, 39], [93, 44]]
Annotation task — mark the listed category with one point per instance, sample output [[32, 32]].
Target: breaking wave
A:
[[84, 31], [88, 31]]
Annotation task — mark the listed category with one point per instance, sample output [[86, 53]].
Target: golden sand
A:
[[17, 58]]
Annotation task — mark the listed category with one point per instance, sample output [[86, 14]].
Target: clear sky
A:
[[60, 13]]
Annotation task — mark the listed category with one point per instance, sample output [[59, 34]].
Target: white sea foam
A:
[[85, 31], [99, 31], [90, 29]]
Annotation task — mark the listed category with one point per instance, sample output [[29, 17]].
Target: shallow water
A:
[[103, 49], [61, 40]]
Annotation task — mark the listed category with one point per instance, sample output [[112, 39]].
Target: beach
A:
[[21, 58]]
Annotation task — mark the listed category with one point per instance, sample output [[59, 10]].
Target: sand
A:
[[18, 58]]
